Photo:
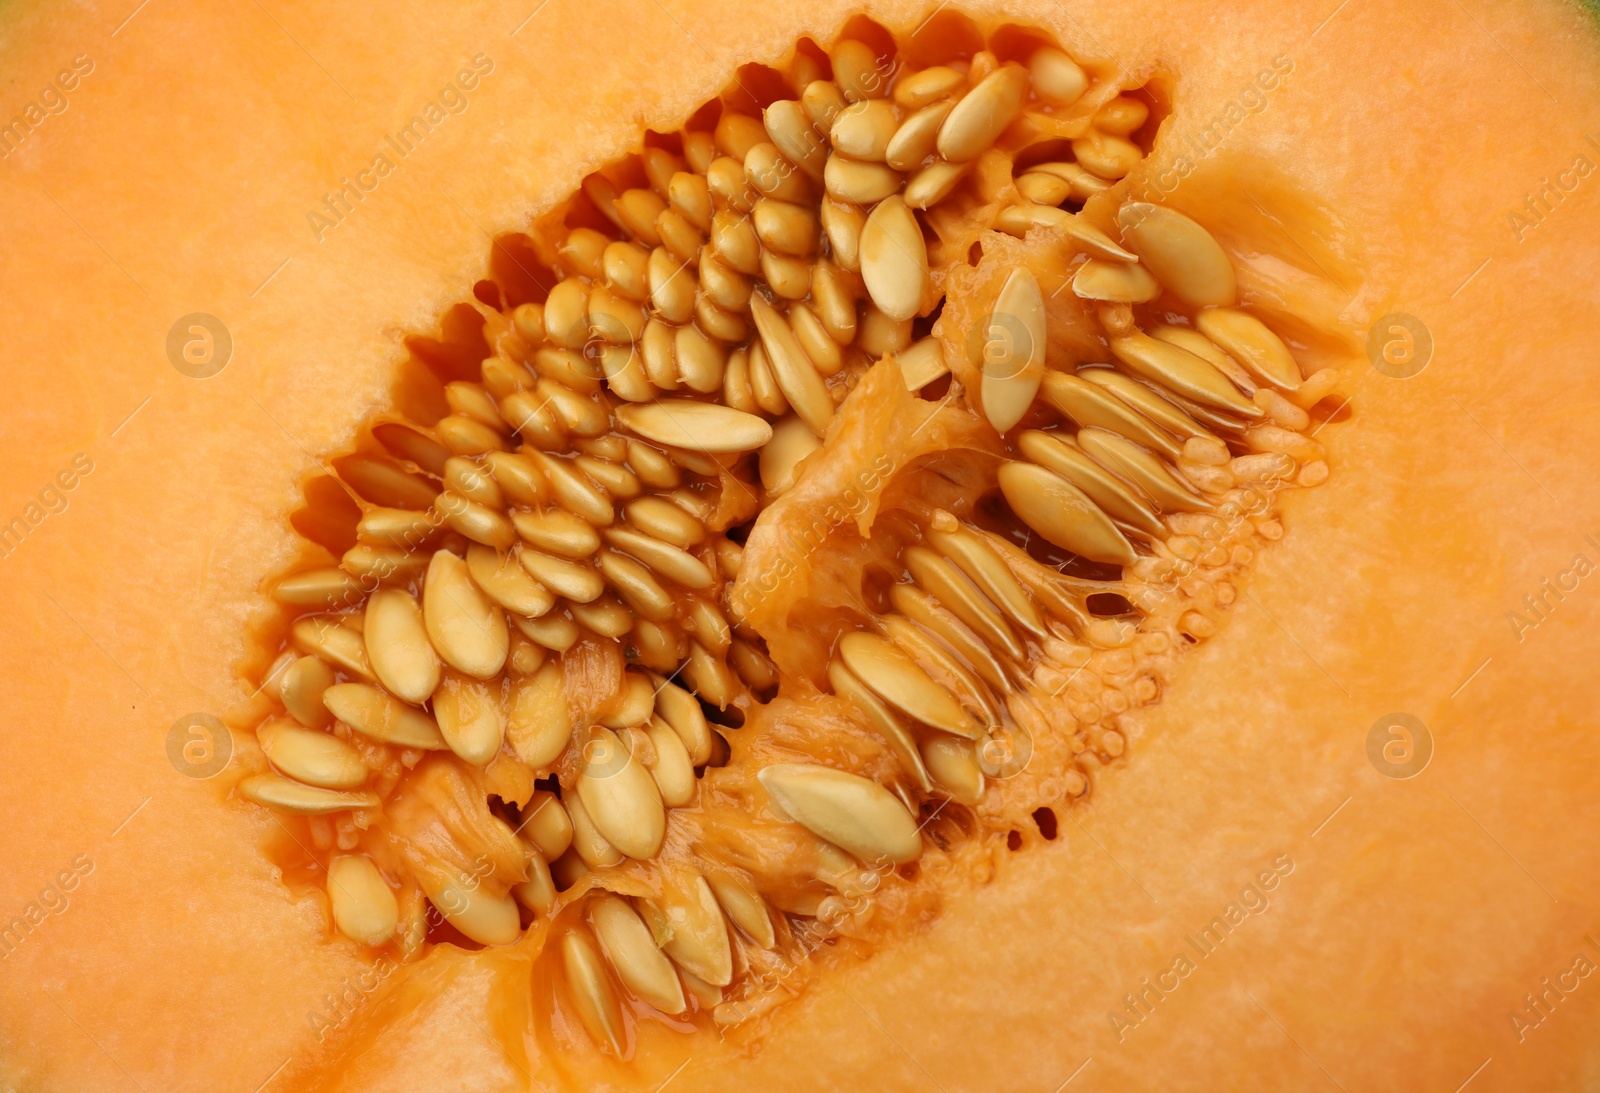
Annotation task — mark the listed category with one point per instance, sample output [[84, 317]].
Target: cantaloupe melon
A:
[[797, 548]]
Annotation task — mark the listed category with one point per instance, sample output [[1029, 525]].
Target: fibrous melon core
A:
[[785, 530]]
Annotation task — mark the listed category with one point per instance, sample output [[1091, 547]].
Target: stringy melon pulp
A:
[[898, 510]]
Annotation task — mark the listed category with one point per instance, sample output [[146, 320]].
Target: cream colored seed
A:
[[638, 210], [635, 583], [671, 769], [534, 418], [378, 563], [1060, 512], [627, 943], [1043, 188], [1103, 487], [567, 368], [922, 363], [794, 135], [587, 841], [538, 893], [939, 662], [1084, 183], [834, 303], [699, 149], [922, 608], [576, 492], [700, 426], [626, 270], [671, 562], [300, 688], [814, 338], [962, 598], [1253, 344], [568, 579], [384, 482], [383, 717], [848, 686], [470, 908], [792, 440], [671, 287], [665, 521], [881, 335], [858, 72], [477, 522], [470, 718], [917, 137], [635, 701], [896, 679], [566, 314], [734, 239], [709, 627], [1106, 154], [927, 86], [1115, 282], [396, 527], [796, 376], [858, 182], [335, 644], [788, 277], [736, 134], [953, 764], [1057, 78], [362, 903], [1121, 116], [853, 813], [613, 478], [894, 259], [582, 251], [408, 443], [736, 390], [398, 647], [465, 627], [555, 631], [1091, 404], [660, 647], [844, 224], [699, 933], [546, 824], [764, 385], [680, 710], [603, 193], [822, 100], [972, 554], [862, 130], [771, 175], [1013, 350], [727, 182], [315, 758], [655, 349], [691, 197], [1182, 372], [700, 361], [933, 183], [786, 228], [681, 238], [621, 797], [653, 467], [709, 677], [557, 531], [471, 401], [1152, 405], [1182, 254], [466, 478], [659, 167], [1142, 469], [287, 795], [722, 284], [324, 587], [745, 908], [605, 615], [729, 327], [979, 118], [596, 1002], [579, 415], [614, 318], [537, 723]]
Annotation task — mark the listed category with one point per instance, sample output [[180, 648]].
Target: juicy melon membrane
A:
[[784, 535]]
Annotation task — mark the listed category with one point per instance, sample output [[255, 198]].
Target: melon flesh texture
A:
[[1412, 924]]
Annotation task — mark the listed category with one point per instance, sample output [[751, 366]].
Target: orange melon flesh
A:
[[178, 179]]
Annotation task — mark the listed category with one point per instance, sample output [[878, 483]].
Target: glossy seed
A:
[[671, 768], [1182, 255], [1115, 282], [546, 824], [587, 841], [554, 631], [1092, 404], [671, 562], [398, 646], [698, 426], [961, 597], [300, 688], [679, 709], [922, 363], [470, 717], [627, 943], [327, 587], [894, 259], [538, 893], [972, 554], [335, 644], [537, 722], [792, 131], [621, 797], [847, 685], [1013, 350], [315, 758], [288, 795], [792, 440], [1182, 372], [933, 183], [698, 939], [556, 531], [927, 86], [665, 521], [1253, 344], [744, 908], [953, 764], [1146, 401], [383, 717], [796, 376], [571, 580], [896, 679], [362, 903], [1061, 512], [1104, 488], [983, 114], [853, 813], [466, 628], [917, 605], [916, 138], [863, 130], [471, 908], [1107, 154], [1143, 469], [635, 583], [1057, 78], [921, 646]]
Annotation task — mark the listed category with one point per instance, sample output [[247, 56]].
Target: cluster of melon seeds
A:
[[862, 463]]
